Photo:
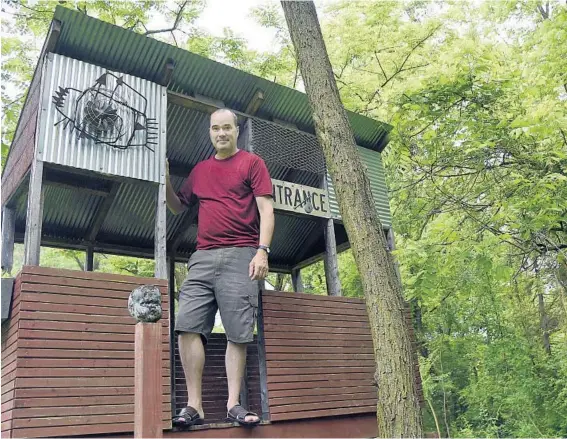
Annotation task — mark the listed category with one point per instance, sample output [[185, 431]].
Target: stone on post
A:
[[144, 305]]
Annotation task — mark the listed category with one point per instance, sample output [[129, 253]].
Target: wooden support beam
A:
[[8, 232], [34, 215], [192, 103], [262, 361], [52, 37], [89, 259], [171, 291], [167, 72], [296, 280], [160, 234], [102, 211], [331, 262], [147, 381], [255, 103]]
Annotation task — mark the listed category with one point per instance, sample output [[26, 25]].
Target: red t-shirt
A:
[[225, 190]]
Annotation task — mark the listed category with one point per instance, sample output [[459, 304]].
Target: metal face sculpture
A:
[[110, 112]]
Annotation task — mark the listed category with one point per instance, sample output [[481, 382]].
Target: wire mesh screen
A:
[[289, 154]]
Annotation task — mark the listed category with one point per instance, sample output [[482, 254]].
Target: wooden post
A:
[[171, 285], [296, 280], [262, 361], [331, 262], [8, 231], [160, 234], [89, 261], [34, 215], [147, 381]]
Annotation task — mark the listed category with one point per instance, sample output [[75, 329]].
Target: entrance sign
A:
[[300, 199]]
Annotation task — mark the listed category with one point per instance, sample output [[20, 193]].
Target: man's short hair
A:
[[229, 111]]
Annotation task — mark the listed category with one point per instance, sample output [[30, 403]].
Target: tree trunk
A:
[[398, 409]]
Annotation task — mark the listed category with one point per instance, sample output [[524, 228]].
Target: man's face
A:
[[223, 131]]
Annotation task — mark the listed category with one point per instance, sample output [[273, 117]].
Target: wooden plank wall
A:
[[23, 143], [214, 388], [9, 357], [319, 356], [74, 357]]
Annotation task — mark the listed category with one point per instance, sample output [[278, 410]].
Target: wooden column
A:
[[89, 259], [296, 280], [331, 262], [8, 231], [34, 215], [171, 285], [147, 381], [262, 361], [160, 234]]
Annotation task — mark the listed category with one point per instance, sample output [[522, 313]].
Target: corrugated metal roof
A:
[[91, 40]]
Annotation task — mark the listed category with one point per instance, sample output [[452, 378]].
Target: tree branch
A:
[[178, 18]]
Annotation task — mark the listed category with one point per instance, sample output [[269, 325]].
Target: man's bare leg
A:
[[235, 362], [192, 354]]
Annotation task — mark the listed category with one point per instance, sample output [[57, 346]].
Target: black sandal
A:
[[239, 413], [187, 417]]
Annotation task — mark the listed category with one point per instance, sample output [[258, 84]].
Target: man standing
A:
[[235, 228]]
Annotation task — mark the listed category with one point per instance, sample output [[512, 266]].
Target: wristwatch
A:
[[264, 247]]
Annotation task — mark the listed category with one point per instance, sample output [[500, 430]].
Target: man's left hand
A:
[[258, 269]]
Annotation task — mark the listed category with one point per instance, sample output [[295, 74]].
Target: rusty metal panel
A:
[[102, 121]]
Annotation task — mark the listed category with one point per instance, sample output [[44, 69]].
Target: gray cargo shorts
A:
[[218, 279]]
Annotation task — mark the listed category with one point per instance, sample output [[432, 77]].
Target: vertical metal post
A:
[[171, 287], [296, 280], [160, 234], [89, 258]]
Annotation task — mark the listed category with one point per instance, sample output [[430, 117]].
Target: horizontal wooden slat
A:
[[321, 392], [80, 300], [79, 327], [267, 295], [320, 377], [65, 392], [86, 409], [293, 301], [81, 362], [320, 357], [298, 350], [315, 325], [304, 314], [78, 309], [76, 344], [84, 401], [58, 421], [7, 386], [80, 372], [124, 427], [360, 313], [92, 275], [68, 335], [322, 413], [320, 384], [322, 405], [302, 371], [59, 353], [321, 342], [291, 401], [324, 364], [299, 337], [75, 287]]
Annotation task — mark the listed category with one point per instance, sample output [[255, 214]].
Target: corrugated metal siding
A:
[[97, 42], [373, 162], [61, 145]]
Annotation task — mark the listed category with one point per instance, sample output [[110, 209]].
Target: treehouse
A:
[[86, 170]]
